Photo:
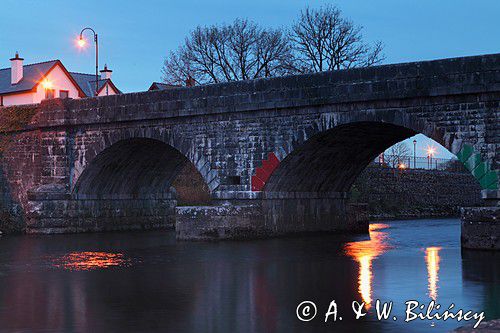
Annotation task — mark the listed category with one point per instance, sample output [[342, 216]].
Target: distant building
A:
[[29, 84], [162, 86], [190, 82]]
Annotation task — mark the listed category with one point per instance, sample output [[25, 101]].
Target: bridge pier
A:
[[276, 213], [297, 212], [481, 225], [227, 221]]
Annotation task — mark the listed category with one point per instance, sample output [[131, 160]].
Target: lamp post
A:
[[414, 154], [81, 43]]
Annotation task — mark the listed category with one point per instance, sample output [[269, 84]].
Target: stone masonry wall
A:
[[415, 193], [232, 132]]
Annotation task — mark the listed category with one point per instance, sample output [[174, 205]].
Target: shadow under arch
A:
[[332, 160], [141, 168]]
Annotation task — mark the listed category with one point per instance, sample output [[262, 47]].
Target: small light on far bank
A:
[[431, 151]]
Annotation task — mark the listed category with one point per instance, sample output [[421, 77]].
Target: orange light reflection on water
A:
[[84, 261], [432, 260], [364, 252]]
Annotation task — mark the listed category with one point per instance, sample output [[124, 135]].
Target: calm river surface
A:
[[148, 282]]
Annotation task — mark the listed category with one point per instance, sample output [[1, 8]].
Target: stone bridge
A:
[[245, 159]]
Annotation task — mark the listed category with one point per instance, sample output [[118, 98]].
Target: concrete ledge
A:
[[305, 195], [251, 195], [240, 195], [481, 228], [49, 192], [491, 195]]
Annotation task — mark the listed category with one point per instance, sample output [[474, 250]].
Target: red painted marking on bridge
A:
[[263, 173], [257, 184]]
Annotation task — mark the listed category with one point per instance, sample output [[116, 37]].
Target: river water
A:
[[148, 282]]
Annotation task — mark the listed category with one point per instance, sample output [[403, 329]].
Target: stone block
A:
[[481, 228]]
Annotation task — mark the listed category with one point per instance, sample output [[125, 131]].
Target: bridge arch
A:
[[331, 160], [89, 148], [139, 168]]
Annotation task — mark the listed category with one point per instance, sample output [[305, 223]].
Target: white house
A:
[[29, 84]]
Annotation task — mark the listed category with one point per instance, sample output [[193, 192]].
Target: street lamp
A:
[[414, 154], [81, 43]]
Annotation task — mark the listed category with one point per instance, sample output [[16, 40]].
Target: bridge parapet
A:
[[396, 83]]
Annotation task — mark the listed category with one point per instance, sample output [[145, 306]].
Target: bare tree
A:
[[398, 154], [324, 40], [222, 53]]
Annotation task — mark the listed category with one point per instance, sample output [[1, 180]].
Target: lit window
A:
[[49, 93]]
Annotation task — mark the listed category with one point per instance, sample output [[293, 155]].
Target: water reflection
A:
[[480, 267], [254, 286], [84, 261], [364, 252], [432, 261]]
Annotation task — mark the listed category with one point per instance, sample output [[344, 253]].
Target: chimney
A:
[[190, 81], [16, 69], [106, 73]]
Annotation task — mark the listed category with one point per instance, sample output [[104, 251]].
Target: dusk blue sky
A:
[[135, 36]]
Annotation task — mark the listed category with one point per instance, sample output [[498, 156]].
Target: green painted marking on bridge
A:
[[480, 170], [464, 153], [488, 179]]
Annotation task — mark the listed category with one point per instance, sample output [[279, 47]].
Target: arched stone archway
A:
[[331, 161], [89, 147], [141, 168]]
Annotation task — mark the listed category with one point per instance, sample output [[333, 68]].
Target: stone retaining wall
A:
[[415, 193]]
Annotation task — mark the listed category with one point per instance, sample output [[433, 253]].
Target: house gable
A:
[[60, 80], [108, 88]]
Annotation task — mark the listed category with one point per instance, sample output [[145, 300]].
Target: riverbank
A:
[[414, 194]]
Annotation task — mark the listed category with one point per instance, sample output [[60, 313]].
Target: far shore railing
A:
[[422, 163]]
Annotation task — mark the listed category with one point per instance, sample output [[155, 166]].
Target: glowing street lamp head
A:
[[402, 166], [81, 42], [431, 151]]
